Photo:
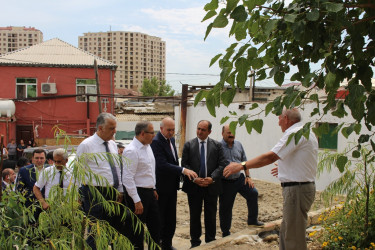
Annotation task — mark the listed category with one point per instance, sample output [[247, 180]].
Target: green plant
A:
[[64, 225], [353, 223]]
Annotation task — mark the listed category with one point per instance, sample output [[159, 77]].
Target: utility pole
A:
[[97, 85]]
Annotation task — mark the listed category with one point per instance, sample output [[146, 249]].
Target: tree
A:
[[154, 87], [336, 36]]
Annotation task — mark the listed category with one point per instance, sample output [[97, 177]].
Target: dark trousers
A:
[[226, 201], [150, 217], [167, 206], [94, 210], [196, 200]]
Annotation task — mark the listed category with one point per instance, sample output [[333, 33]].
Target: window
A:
[[25, 87], [85, 86], [328, 140]]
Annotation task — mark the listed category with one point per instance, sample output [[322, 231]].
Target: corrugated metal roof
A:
[[54, 52], [136, 118]]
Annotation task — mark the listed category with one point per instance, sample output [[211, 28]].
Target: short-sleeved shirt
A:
[[297, 163], [234, 154], [12, 149], [50, 177]]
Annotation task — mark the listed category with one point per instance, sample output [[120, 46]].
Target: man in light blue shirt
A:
[[236, 183]]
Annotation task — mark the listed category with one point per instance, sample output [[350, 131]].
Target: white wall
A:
[[256, 144]]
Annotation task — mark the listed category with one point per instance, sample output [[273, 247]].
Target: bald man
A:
[[297, 163], [168, 173]]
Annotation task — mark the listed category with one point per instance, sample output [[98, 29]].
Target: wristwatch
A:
[[244, 165]]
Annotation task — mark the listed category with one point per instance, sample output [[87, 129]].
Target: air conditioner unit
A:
[[49, 88]]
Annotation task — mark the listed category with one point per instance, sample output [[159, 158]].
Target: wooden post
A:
[[183, 118]]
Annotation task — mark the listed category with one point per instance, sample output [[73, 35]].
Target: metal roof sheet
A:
[[54, 52]]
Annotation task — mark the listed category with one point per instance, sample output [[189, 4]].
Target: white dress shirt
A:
[[139, 168], [51, 177], [99, 163], [297, 163]]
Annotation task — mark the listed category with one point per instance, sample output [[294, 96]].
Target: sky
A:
[[177, 22]]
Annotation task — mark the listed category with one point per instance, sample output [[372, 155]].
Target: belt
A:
[[147, 189], [288, 184]]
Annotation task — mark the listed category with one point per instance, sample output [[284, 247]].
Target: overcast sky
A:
[[178, 22]]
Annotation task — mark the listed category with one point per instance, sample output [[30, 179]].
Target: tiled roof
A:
[[54, 52]]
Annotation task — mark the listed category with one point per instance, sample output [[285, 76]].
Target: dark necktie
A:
[[61, 181], [112, 164], [171, 147], [202, 170]]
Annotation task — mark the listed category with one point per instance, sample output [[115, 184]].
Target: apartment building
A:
[[137, 55], [14, 38]]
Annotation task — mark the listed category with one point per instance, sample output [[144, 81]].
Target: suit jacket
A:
[[25, 182], [215, 165], [168, 171]]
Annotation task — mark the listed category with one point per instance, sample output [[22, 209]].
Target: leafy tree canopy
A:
[[336, 36], [155, 87]]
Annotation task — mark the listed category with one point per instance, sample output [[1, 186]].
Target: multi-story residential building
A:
[[138, 56], [14, 38]]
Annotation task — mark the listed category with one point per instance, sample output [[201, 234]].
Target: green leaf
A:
[[233, 126], [209, 14], [364, 138], [242, 119], [213, 60], [254, 106], [290, 18], [220, 21], [333, 7], [213, 5], [258, 125], [231, 4], [239, 14], [227, 96], [256, 63], [209, 28], [341, 162], [269, 107], [372, 145], [290, 138], [356, 154], [313, 15], [210, 103], [224, 119], [357, 128], [249, 126], [199, 97], [270, 26], [252, 53], [279, 77], [330, 81]]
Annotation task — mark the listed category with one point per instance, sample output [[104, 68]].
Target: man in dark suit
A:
[[204, 156], [168, 173], [28, 175]]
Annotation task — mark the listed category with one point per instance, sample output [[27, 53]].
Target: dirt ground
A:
[[270, 209]]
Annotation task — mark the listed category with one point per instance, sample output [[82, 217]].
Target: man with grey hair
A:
[[55, 175], [140, 182], [297, 163], [90, 153]]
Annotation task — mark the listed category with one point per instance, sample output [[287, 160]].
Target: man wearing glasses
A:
[[140, 182]]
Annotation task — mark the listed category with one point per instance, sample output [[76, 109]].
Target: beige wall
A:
[[137, 55], [14, 38]]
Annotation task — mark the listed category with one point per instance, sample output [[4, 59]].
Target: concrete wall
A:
[[256, 144]]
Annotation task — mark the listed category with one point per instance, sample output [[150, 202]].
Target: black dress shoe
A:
[[168, 248], [257, 223]]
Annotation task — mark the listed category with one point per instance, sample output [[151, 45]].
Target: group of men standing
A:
[[148, 176]]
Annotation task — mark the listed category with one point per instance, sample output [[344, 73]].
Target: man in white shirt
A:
[[296, 171], [139, 180], [98, 153], [56, 175]]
